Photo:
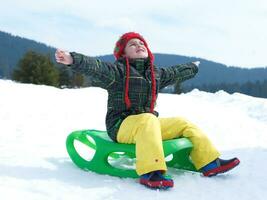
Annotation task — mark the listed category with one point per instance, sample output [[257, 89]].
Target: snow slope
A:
[[35, 121]]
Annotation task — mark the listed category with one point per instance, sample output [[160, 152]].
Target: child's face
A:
[[135, 48]]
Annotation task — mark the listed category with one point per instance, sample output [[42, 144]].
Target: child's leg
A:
[[144, 130], [203, 151]]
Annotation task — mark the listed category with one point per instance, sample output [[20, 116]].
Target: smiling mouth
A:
[[140, 50]]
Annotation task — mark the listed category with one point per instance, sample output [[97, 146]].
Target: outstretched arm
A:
[[102, 74], [181, 72]]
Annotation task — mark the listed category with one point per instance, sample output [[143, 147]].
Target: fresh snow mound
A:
[[36, 120]]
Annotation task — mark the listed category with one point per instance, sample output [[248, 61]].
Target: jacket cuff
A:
[[194, 67], [75, 58]]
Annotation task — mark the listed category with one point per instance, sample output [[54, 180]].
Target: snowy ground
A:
[[35, 121]]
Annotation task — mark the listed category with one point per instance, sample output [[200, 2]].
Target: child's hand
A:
[[63, 57], [197, 63]]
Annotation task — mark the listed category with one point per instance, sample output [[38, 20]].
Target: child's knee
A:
[[147, 117], [190, 129], [183, 122]]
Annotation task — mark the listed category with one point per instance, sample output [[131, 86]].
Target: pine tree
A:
[[37, 69], [77, 80], [65, 77]]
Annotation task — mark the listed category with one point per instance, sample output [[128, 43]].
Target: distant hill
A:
[[12, 48]]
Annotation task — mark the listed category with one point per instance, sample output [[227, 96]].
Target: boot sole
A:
[[157, 184], [222, 169]]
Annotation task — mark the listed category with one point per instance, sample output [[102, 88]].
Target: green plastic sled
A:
[[105, 149]]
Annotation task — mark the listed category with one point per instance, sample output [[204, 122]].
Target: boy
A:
[[133, 83]]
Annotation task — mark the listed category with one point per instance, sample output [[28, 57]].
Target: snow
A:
[[35, 121]]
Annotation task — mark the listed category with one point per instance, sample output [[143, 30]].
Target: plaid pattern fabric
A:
[[111, 76]]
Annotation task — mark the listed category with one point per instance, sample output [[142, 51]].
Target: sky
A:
[[232, 32], [35, 165]]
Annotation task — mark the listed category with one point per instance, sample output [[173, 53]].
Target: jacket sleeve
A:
[[102, 74], [181, 72]]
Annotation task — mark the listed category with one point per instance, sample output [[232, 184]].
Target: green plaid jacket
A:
[[111, 76]]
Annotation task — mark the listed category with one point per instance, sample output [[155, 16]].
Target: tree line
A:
[[256, 89]]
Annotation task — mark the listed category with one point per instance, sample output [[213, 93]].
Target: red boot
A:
[[219, 166], [156, 180]]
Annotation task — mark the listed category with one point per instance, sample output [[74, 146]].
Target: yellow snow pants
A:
[[147, 131]]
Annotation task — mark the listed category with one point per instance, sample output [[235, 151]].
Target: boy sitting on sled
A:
[[133, 83]]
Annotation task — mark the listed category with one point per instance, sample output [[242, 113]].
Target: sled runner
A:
[[106, 151]]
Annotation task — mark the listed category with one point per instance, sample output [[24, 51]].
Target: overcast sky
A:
[[233, 32]]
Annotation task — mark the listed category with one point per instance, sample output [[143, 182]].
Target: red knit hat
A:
[[119, 51], [124, 39]]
